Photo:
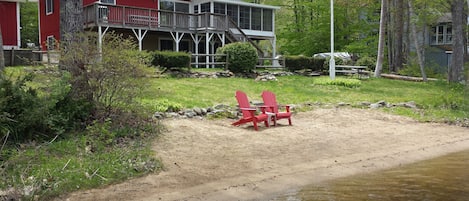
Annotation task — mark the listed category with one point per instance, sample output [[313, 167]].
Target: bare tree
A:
[[456, 70], [382, 39]]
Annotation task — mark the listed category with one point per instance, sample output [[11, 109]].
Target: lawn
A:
[[438, 100]]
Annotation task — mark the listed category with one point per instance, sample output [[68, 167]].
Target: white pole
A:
[[332, 61]]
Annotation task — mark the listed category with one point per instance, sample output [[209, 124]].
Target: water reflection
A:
[[444, 178]]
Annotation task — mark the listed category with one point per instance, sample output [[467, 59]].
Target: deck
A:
[[127, 17]]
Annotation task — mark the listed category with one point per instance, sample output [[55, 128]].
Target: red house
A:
[[197, 26], [10, 23]]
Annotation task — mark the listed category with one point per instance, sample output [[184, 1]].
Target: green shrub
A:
[[163, 105], [242, 57], [169, 59], [22, 111], [367, 61], [351, 83], [294, 63]]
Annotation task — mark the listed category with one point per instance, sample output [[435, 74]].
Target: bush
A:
[[367, 61], [110, 81], [294, 63], [170, 59], [22, 112], [242, 57]]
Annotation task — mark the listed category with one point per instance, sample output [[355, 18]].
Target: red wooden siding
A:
[[153, 4], [9, 23], [49, 24]]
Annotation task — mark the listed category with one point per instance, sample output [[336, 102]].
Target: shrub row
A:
[[294, 63], [169, 59]]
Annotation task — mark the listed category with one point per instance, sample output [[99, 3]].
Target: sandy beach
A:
[[212, 160]]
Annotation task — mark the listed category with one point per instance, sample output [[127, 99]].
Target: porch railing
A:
[[133, 17]]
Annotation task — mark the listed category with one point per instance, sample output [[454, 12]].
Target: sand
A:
[[212, 160]]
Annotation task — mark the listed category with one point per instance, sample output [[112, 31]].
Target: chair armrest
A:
[[264, 108], [248, 109]]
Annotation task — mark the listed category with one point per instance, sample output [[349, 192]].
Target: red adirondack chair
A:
[[249, 112], [272, 106]]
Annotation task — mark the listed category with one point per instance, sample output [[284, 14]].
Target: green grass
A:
[[49, 170], [439, 100], [68, 164]]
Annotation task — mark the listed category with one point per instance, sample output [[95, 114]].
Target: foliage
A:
[[171, 59], [21, 109], [43, 171], [302, 62], [161, 105], [29, 23], [351, 83], [242, 57], [367, 61], [108, 80]]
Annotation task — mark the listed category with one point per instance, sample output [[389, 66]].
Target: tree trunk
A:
[[382, 39], [398, 35], [456, 70], [415, 38], [2, 56]]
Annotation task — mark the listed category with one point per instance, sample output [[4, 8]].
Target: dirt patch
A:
[[212, 160]]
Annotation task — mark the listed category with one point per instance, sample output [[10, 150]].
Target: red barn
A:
[[10, 23]]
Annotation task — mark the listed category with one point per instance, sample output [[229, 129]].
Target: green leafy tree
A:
[[29, 23]]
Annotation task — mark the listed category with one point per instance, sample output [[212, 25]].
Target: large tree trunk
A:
[[418, 46], [456, 70], [2, 56], [398, 35], [382, 39]]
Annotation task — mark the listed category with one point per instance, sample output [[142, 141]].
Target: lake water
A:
[[444, 178]]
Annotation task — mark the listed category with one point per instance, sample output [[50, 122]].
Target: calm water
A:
[[445, 178]]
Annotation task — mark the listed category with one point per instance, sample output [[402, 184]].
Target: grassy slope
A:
[[440, 100]]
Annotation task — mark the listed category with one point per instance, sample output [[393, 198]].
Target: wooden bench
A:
[[351, 70]]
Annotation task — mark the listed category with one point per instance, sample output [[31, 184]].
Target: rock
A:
[[190, 114], [158, 115], [204, 111], [197, 111], [221, 106], [410, 104], [375, 106], [365, 103], [341, 104], [171, 115], [209, 109], [382, 103], [265, 78]]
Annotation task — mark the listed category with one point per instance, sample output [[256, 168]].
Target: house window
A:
[[244, 17], [167, 5], [182, 7], [51, 43], [166, 45], [442, 34], [49, 7], [219, 8], [267, 24], [232, 11], [113, 2], [205, 8], [256, 20]]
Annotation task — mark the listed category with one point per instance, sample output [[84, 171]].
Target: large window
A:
[[442, 34], [267, 24], [167, 5], [219, 8], [113, 2], [49, 7], [182, 7], [232, 11], [256, 19], [205, 8], [166, 45], [244, 17]]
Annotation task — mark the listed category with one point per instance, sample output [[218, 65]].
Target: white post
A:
[[332, 61]]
